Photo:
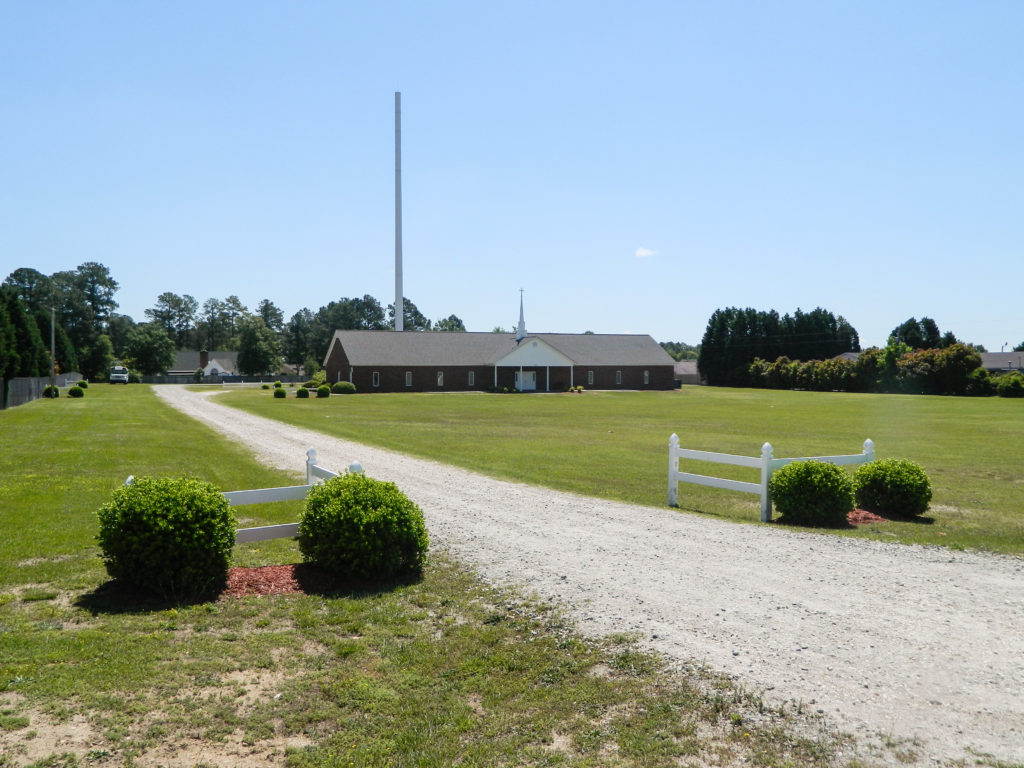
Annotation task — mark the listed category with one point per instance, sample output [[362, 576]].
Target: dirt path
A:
[[914, 643]]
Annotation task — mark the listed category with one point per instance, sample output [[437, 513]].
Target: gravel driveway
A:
[[909, 642]]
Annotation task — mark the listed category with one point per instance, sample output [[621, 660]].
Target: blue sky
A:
[[633, 166]]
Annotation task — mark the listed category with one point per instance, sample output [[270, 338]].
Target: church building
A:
[[423, 361]]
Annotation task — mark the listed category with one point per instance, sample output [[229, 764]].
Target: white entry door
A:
[[526, 381]]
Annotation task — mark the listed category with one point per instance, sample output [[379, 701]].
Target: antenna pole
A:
[[399, 298]]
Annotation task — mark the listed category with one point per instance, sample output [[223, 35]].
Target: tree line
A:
[[734, 338], [90, 335], [752, 348]]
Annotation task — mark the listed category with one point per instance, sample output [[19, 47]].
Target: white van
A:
[[118, 375]]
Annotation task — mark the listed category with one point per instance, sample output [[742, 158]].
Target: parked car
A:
[[118, 375]]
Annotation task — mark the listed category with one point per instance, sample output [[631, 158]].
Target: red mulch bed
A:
[[278, 580], [863, 517]]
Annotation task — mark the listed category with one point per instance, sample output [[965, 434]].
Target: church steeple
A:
[[521, 328]]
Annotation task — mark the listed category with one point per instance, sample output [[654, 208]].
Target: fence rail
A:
[[314, 473], [766, 462]]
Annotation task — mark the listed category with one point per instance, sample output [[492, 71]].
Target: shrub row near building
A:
[[955, 370]]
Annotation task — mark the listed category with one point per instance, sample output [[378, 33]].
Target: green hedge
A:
[[170, 536], [812, 493], [362, 528], [892, 487]]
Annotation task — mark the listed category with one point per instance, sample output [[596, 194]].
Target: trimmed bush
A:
[[310, 384], [170, 536], [323, 391], [812, 493], [76, 391], [51, 390], [302, 392], [83, 384], [343, 388], [1010, 385], [362, 528], [264, 386], [892, 487], [277, 385], [280, 393]]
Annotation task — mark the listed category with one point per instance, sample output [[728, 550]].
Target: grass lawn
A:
[[442, 672], [615, 444]]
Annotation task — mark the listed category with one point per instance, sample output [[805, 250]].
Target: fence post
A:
[[310, 463], [673, 470], [869, 449], [766, 475]]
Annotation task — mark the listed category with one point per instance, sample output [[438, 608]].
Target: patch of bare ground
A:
[[82, 738], [40, 560]]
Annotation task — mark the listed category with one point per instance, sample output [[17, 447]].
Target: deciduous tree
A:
[[150, 349]]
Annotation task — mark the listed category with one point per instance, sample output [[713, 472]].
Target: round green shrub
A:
[[893, 487], [83, 384], [310, 384], [1010, 385], [280, 393], [51, 390], [277, 385], [170, 536], [812, 493], [302, 392], [264, 386], [362, 528], [76, 391], [343, 388], [323, 391]]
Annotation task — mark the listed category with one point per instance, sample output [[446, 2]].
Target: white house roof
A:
[[415, 348]]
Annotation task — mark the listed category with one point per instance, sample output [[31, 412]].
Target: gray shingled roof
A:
[[1001, 361], [412, 348]]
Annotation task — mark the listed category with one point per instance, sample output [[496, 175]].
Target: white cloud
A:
[[643, 253]]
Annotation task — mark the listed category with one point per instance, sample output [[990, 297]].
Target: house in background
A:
[[686, 372], [1002, 362], [186, 362], [389, 361]]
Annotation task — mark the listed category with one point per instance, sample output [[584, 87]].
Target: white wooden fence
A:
[[314, 474], [766, 462]]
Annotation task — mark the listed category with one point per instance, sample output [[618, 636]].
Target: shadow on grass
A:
[[121, 597]]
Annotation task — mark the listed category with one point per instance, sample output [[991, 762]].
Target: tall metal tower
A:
[[399, 299]]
